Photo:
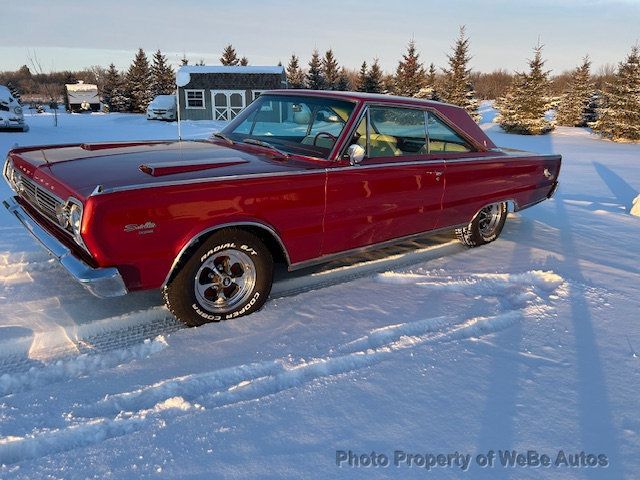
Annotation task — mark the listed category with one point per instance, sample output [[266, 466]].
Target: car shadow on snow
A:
[[597, 431]]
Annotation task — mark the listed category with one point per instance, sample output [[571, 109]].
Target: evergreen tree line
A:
[[609, 102], [131, 91], [611, 108], [411, 78]]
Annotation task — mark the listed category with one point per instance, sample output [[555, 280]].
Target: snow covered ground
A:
[[529, 343]]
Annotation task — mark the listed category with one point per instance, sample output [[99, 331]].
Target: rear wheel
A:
[[230, 275], [485, 227]]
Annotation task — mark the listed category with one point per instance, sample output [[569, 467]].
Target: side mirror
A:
[[356, 154]]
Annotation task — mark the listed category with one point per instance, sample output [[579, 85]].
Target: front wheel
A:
[[230, 275], [485, 227]]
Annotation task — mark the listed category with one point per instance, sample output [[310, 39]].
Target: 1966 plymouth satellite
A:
[[299, 177]]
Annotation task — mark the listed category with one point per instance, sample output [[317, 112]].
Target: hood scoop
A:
[[111, 145], [172, 168]]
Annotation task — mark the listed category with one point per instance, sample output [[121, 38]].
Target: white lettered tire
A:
[[228, 276], [485, 227]]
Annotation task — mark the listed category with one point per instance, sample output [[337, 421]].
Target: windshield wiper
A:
[[222, 136], [261, 143]]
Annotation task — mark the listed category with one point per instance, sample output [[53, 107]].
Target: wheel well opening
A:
[[270, 241]]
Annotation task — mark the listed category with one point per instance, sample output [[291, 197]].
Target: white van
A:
[[10, 111], [163, 107]]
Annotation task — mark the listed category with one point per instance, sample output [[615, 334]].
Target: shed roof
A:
[[81, 87], [273, 70]]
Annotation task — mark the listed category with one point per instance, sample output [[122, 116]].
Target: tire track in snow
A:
[[77, 366], [127, 412], [234, 385], [109, 334]]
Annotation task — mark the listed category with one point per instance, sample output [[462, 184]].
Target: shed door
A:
[[227, 104]]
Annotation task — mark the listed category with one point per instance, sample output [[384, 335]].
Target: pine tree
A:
[[575, 102], [409, 77], [594, 105], [138, 82], [620, 117], [330, 70], [110, 84], [344, 83], [431, 85], [428, 91], [315, 78], [457, 88], [373, 80], [244, 61], [184, 60], [163, 78], [114, 91], [361, 84], [229, 56], [295, 76], [523, 108]]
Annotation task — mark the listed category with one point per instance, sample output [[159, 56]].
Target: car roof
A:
[[358, 96], [457, 116]]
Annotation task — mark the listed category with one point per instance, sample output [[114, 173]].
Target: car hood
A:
[[80, 168]]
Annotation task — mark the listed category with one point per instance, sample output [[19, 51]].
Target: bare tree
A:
[[49, 88]]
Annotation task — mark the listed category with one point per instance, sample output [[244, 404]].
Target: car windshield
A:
[[302, 125]]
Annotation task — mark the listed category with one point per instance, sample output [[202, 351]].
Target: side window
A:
[[396, 132], [443, 139]]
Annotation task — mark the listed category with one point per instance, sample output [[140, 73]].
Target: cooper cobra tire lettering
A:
[[180, 294]]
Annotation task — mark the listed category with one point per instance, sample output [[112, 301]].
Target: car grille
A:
[[159, 112], [40, 198]]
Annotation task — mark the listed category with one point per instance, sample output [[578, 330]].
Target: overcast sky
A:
[[75, 34]]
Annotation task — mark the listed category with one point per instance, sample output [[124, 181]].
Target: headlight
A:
[[18, 110], [10, 173], [70, 218], [75, 220]]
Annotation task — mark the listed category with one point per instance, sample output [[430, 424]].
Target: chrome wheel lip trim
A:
[[245, 282]]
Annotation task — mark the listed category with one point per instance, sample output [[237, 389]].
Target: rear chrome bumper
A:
[[101, 282]]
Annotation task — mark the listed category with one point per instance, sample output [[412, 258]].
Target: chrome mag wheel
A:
[[489, 219], [225, 280]]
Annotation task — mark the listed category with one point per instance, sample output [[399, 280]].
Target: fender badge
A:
[[141, 228]]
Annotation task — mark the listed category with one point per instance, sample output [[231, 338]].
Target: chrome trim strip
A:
[[359, 250], [101, 282], [426, 131], [197, 236], [298, 172], [211, 180]]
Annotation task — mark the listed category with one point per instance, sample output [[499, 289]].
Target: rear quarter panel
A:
[[473, 184]]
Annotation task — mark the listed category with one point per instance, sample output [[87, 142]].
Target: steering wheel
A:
[[324, 134]]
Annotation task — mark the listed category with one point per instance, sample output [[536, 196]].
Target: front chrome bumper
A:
[[102, 282]]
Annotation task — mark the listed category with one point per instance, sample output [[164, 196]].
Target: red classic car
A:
[[298, 177]]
